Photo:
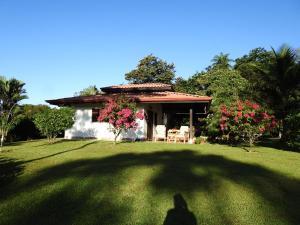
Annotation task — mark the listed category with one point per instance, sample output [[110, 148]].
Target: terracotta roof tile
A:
[[144, 85], [146, 97]]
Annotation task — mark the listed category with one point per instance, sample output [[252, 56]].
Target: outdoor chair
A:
[[172, 134], [160, 132], [183, 134]]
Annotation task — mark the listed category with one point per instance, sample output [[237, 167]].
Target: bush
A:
[[245, 121], [292, 126], [53, 122]]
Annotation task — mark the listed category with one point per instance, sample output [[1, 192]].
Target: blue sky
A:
[[60, 47]]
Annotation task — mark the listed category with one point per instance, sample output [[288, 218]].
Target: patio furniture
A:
[[172, 134], [160, 132], [183, 134]]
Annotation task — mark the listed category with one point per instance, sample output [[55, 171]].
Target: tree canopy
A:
[[221, 61], [152, 69], [90, 90], [52, 122]]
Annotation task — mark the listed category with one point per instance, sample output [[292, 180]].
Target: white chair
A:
[[183, 134], [160, 132]]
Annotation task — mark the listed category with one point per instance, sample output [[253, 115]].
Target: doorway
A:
[[149, 125]]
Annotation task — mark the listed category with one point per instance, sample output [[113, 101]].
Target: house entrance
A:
[[149, 125]]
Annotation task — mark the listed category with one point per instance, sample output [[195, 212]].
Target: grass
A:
[[94, 182]]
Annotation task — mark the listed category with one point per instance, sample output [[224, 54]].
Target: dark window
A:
[[95, 114]]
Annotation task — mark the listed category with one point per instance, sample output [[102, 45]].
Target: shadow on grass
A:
[[277, 144], [62, 152], [180, 214], [9, 170], [88, 191]]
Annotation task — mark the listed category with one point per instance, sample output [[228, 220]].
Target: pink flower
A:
[[255, 106], [262, 129], [252, 114], [236, 119], [140, 115]]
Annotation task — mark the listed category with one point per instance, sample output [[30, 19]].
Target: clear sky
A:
[[59, 47]]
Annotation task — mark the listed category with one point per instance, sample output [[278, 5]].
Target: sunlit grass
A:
[[96, 182]]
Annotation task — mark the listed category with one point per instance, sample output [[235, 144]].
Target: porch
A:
[[174, 117]]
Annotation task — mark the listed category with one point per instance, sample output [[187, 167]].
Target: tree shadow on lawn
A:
[[61, 152], [9, 170], [88, 191], [277, 144]]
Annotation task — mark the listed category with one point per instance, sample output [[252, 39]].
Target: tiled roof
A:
[[146, 97], [150, 85], [137, 87]]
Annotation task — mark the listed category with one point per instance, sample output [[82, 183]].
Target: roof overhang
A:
[[159, 97]]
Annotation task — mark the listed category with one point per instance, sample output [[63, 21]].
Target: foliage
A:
[[90, 90], [151, 69], [52, 122], [245, 121], [283, 85], [190, 85], [224, 85], [292, 122], [221, 61], [253, 67], [120, 113], [11, 93], [26, 128]]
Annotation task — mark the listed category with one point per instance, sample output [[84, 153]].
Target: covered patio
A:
[[166, 120]]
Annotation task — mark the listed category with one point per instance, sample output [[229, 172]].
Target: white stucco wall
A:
[[85, 128]]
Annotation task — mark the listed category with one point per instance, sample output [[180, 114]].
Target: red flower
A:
[[239, 114]]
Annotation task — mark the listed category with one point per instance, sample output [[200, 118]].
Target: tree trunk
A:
[[115, 139], [2, 140]]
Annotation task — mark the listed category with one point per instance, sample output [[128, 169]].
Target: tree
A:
[[252, 67], [190, 85], [52, 122], [221, 61], [225, 86], [282, 85], [151, 69], [90, 90], [245, 121], [120, 113], [11, 93]]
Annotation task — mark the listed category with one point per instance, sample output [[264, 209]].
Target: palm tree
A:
[[221, 61], [283, 83], [11, 93]]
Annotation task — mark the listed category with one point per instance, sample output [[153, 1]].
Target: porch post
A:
[[191, 126]]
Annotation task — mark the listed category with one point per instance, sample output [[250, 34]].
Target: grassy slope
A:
[[90, 182]]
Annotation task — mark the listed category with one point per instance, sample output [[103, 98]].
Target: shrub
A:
[[120, 113], [245, 121], [52, 122]]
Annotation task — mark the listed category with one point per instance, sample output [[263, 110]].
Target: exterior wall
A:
[[85, 128]]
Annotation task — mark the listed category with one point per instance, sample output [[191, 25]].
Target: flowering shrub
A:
[[121, 114], [245, 120]]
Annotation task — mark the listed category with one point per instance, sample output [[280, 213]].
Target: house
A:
[[161, 105]]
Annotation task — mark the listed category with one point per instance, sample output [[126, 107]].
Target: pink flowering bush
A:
[[245, 120], [120, 113]]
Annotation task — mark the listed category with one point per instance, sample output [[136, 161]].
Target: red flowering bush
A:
[[245, 120], [121, 114]]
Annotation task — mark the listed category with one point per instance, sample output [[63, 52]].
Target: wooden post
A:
[[191, 126]]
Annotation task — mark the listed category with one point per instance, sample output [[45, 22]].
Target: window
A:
[[95, 114]]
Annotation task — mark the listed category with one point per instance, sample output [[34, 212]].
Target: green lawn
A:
[[94, 182]]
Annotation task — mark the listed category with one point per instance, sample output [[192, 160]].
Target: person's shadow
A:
[[180, 214]]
